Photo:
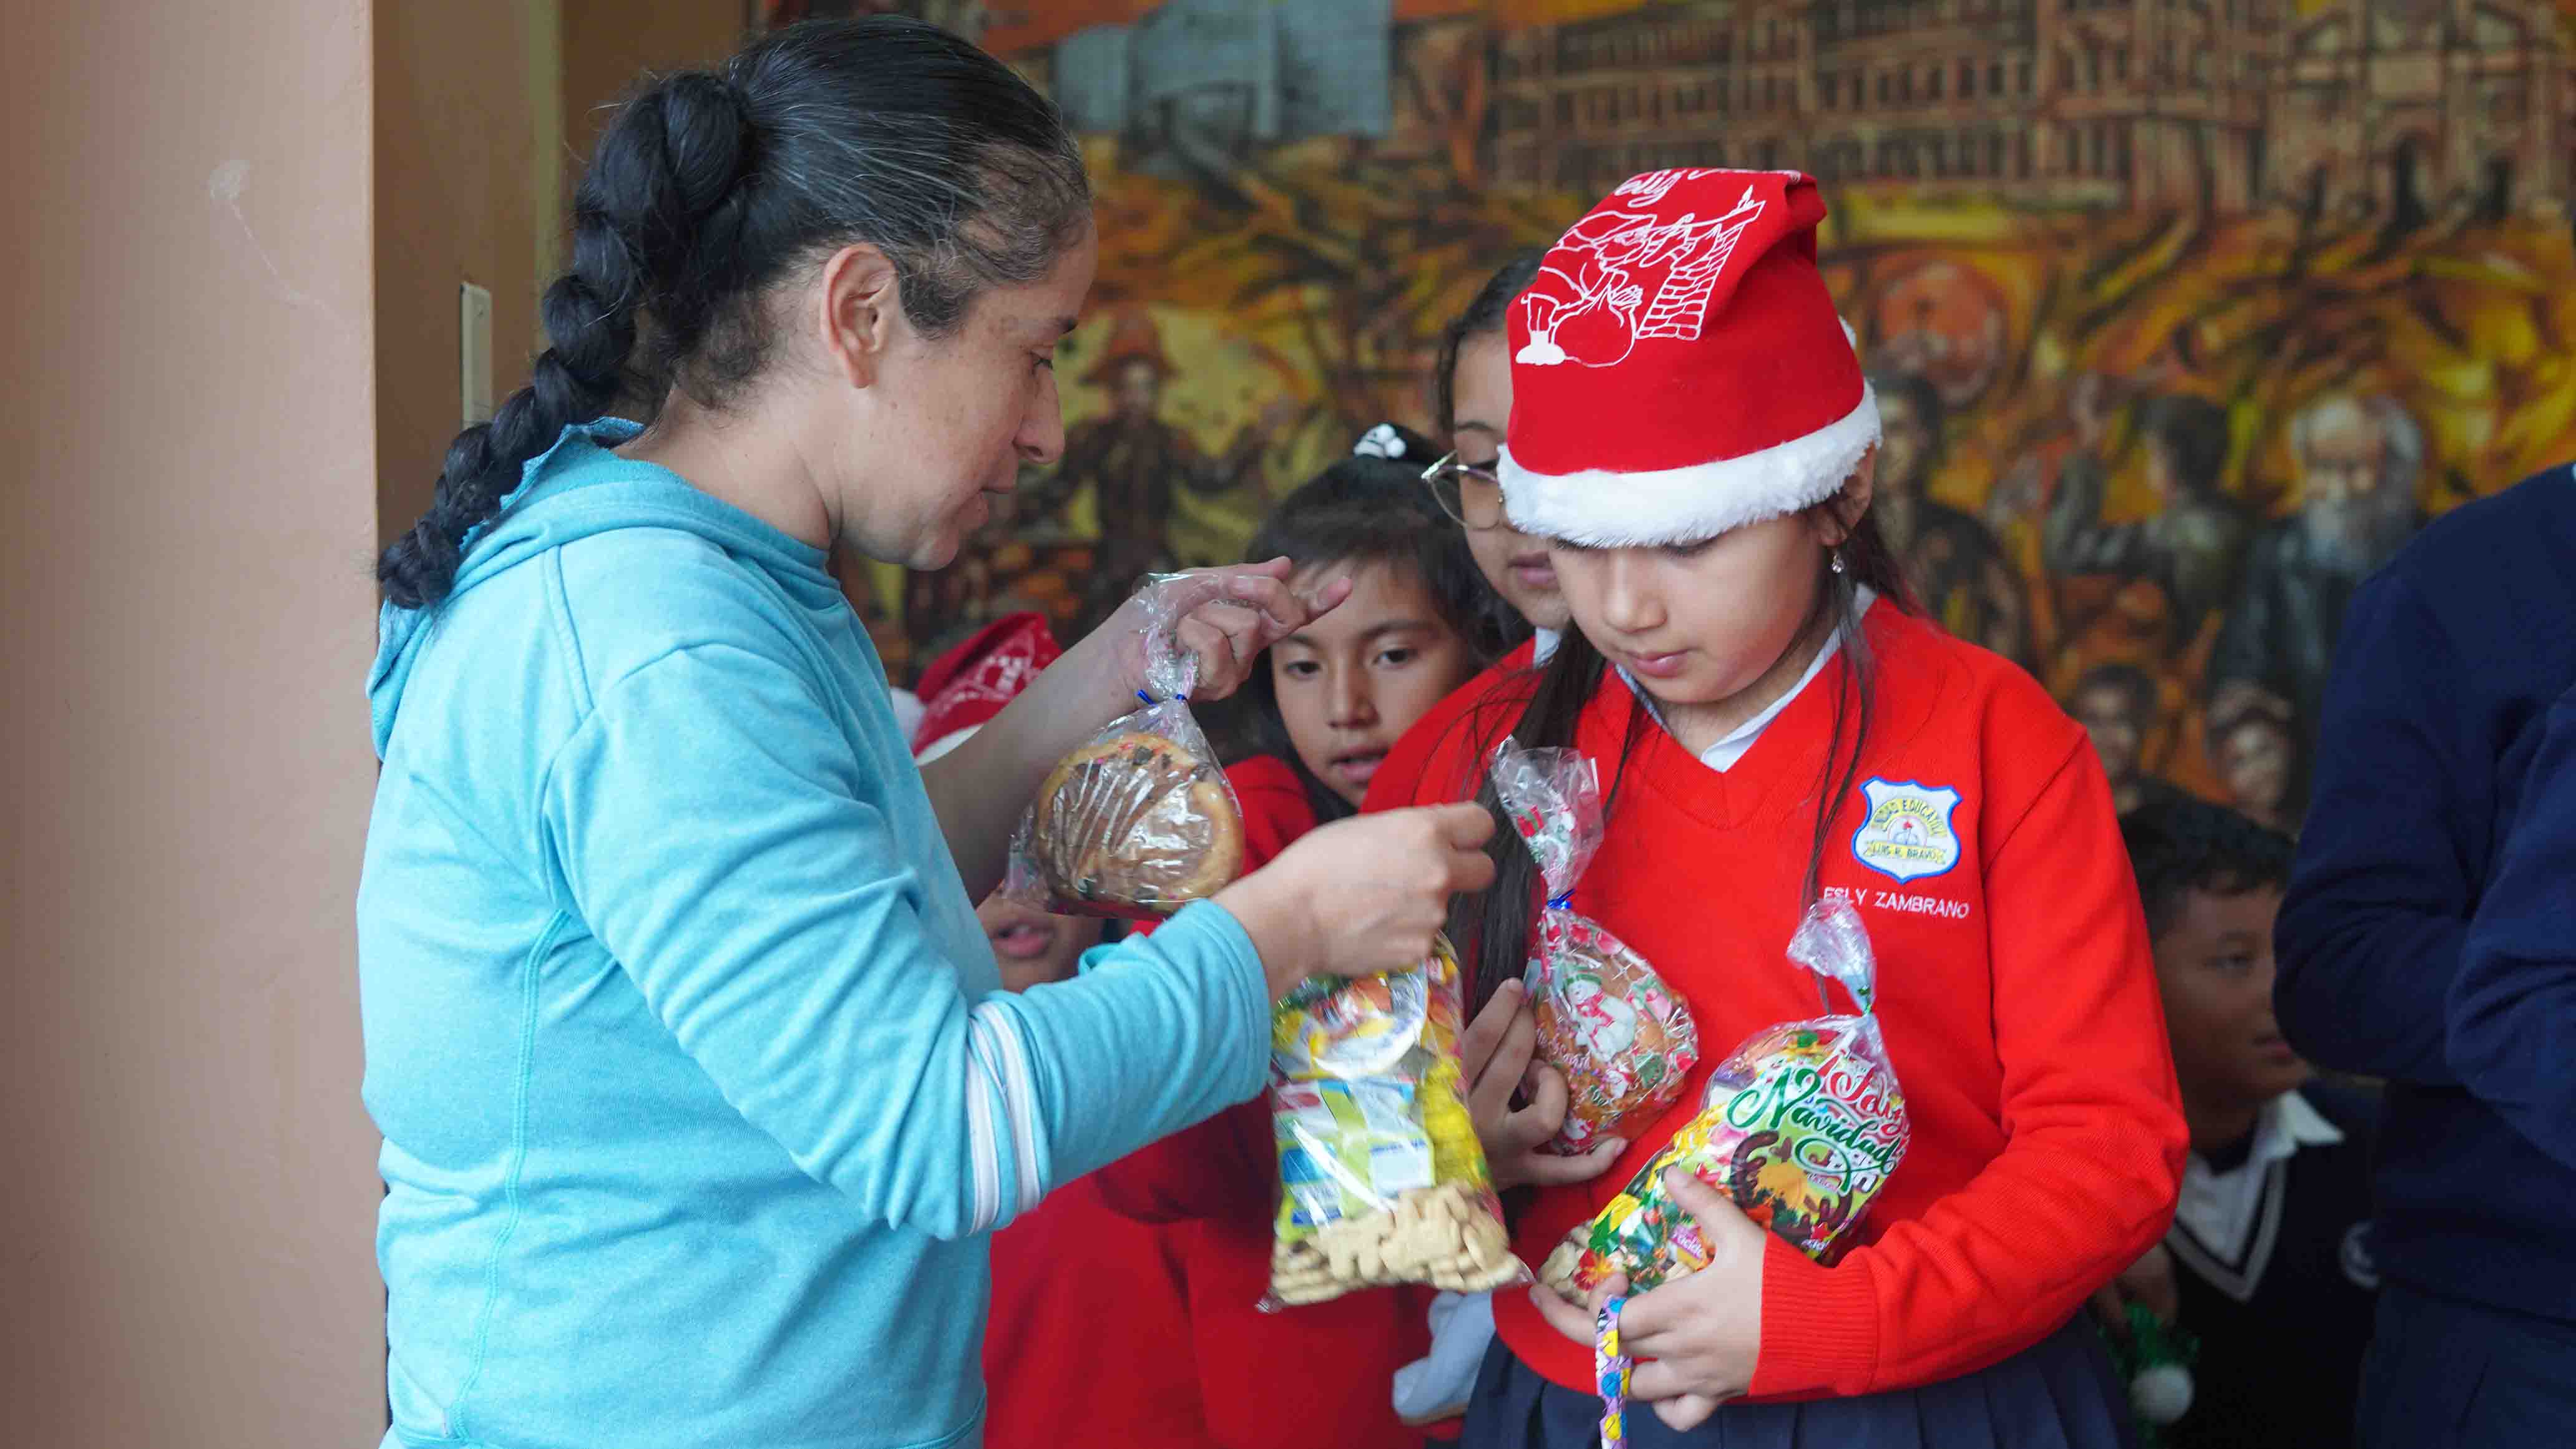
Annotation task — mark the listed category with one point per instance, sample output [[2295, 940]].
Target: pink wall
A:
[[187, 1182], [456, 108]]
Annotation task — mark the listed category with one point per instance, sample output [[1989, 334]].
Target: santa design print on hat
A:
[[1678, 369]]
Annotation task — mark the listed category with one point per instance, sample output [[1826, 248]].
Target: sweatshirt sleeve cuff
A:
[[1819, 1326]]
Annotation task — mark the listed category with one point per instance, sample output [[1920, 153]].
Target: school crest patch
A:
[[1908, 834]]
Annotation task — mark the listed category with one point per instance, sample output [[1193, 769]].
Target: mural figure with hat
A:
[[1132, 460]]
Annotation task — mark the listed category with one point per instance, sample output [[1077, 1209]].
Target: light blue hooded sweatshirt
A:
[[698, 1087]]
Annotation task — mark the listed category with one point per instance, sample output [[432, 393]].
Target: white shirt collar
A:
[[2225, 1221], [1543, 643], [1723, 755]]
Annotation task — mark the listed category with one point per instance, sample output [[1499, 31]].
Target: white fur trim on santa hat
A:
[[908, 711], [1606, 508], [944, 744]]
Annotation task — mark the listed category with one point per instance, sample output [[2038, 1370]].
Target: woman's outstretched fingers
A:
[[1228, 616]]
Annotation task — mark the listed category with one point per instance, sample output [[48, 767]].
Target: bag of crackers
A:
[[1800, 1128], [1623, 1039], [1141, 821], [1381, 1179]]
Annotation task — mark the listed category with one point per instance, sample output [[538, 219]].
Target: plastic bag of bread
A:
[[1140, 821], [1623, 1039], [1800, 1127], [1381, 1179]]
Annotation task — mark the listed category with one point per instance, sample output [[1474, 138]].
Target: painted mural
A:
[[2184, 314]]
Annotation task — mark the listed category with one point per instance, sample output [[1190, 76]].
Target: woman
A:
[[697, 1084]]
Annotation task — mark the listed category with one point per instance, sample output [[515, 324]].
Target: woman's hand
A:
[[1497, 1058], [1228, 616], [1697, 1339], [1361, 895]]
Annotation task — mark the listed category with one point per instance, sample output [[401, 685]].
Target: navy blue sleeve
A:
[[2370, 933], [2513, 1010]]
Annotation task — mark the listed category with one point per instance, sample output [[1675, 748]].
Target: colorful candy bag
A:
[[1623, 1039], [1800, 1127], [1141, 821], [1381, 1179]]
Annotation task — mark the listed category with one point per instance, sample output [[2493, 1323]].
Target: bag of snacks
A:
[[1623, 1039], [1141, 821], [1381, 1179], [1800, 1128]]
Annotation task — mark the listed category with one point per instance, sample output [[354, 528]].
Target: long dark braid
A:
[[672, 157]]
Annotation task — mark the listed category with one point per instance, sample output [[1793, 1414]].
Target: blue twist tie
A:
[[1564, 902], [1140, 694]]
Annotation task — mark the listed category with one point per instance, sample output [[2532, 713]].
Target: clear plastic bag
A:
[[1800, 1127], [1381, 1179], [1140, 821], [1623, 1039]]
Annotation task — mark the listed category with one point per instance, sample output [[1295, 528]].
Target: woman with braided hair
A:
[[698, 1088]]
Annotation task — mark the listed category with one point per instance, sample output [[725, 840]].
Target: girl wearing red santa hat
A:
[[1691, 432]]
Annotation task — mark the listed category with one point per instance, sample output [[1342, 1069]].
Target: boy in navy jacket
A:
[[2450, 662]]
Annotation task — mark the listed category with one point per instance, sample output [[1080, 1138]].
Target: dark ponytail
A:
[[711, 187], [1542, 708]]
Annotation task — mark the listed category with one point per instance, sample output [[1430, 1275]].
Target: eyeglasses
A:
[[1470, 494]]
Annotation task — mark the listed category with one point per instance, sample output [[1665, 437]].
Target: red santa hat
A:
[[969, 684], [1678, 369]]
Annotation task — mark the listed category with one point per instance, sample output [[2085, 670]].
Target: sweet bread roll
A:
[[1136, 821]]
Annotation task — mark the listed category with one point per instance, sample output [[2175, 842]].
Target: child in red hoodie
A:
[[1335, 697], [1775, 725], [1056, 1364]]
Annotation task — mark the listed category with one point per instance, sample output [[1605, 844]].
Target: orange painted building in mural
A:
[[2224, 104]]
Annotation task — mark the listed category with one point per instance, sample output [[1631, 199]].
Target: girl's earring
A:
[[1838, 561]]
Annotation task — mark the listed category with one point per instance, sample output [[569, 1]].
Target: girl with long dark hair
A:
[[1775, 725]]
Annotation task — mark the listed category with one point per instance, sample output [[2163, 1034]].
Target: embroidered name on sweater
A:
[[1911, 905], [1907, 835]]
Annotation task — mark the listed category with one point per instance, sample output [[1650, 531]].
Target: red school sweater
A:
[[1322, 1374], [2015, 991], [1087, 1307]]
